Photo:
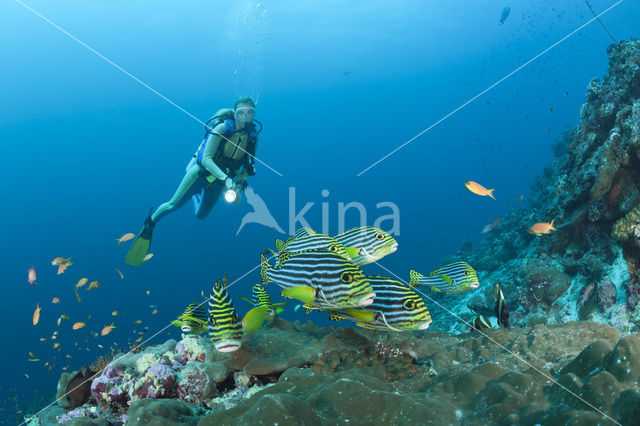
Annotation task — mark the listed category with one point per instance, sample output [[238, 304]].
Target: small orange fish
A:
[[77, 295], [32, 276], [61, 263], [78, 325], [148, 292], [107, 329], [63, 316], [92, 285], [32, 355], [55, 300], [478, 189], [541, 228], [114, 313], [147, 257], [155, 311], [56, 345], [120, 273], [68, 356], [100, 346], [137, 322], [81, 282], [36, 314], [126, 237], [59, 319], [43, 339]]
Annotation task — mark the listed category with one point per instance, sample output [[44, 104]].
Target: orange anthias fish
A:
[[92, 285], [78, 325], [36, 314], [147, 257], [120, 273], [107, 329], [55, 300], [541, 228], [478, 189], [81, 282], [126, 237], [32, 276], [61, 263]]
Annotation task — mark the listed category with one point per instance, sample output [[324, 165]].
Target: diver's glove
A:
[[228, 182]]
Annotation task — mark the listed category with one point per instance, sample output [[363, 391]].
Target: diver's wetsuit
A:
[[195, 180]]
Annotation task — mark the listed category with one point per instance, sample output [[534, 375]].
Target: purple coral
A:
[[156, 383]]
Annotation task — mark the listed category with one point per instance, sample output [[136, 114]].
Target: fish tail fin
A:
[[414, 278], [264, 268], [490, 193], [552, 228]]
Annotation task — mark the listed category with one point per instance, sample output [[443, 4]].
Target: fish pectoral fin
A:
[[279, 310], [244, 298], [254, 319], [352, 252], [305, 294], [176, 323], [361, 315], [445, 278], [436, 290]]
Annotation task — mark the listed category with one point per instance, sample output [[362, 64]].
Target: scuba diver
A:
[[223, 161]]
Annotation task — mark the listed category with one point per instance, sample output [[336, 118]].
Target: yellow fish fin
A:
[[305, 294], [446, 278], [280, 245], [352, 252], [279, 310], [176, 323], [244, 298], [254, 319], [362, 315], [414, 278], [436, 290], [359, 324]]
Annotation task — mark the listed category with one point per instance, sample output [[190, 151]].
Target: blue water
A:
[[85, 150]]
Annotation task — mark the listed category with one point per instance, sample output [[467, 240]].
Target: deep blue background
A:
[[85, 150]]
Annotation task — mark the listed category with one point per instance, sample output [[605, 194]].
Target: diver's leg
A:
[[209, 199], [191, 183]]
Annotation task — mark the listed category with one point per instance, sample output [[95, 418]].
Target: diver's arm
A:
[[213, 141]]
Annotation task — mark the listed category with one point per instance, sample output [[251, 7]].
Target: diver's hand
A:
[[228, 182]]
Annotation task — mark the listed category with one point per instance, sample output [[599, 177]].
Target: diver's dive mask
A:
[[244, 114]]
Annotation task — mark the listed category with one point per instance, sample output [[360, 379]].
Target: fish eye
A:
[[409, 304], [379, 236], [333, 248], [346, 277]]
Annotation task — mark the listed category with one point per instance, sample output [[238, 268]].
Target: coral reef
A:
[[365, 376], [587, 269]]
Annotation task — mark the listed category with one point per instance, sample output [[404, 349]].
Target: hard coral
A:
[[624, 228]]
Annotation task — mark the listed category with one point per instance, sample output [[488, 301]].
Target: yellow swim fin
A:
[[361, 315]]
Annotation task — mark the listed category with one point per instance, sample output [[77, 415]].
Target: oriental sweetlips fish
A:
[[455, 278], [311, 242], [225, 329], [194, 319], [366, 244], [501, 307], [320, 278], [396, 307], [260, 297]]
